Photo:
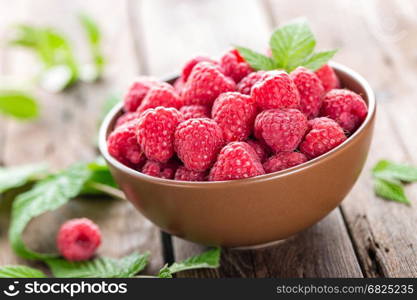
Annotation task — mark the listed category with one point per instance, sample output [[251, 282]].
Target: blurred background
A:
[[76, 58]]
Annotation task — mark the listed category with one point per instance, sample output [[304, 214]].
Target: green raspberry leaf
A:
[[291, 44], [256, 60], [390, 190], [389, 170], [209, 259], [10, 271], [47, 195], [319, 59], [18, 105], [14, 177], [103, 267]]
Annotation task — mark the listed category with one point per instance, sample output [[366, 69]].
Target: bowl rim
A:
[[102, 143]]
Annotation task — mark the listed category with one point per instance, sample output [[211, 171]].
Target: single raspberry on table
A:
[[235, 114], [236, 160], [234, 65], [324, 134], [328, 78], [283, 160], [162, 95], [189, 65], [127, 117], [276, 90], [281, 129], [161, 170], [205, 83], [155, 132], [195, 111], [260, 148], [310, 89], [78, 239], [197, 143], [122, 144], [189, 175], [137, 91], [246, 84], [345, 107]]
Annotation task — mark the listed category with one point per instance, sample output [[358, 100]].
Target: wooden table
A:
[[366, 236]]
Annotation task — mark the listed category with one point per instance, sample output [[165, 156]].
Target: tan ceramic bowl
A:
[[250, 211]]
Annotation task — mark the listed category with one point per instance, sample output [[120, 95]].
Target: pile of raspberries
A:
[[221, 120]]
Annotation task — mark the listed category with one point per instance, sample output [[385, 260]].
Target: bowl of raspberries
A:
[[227, 154]]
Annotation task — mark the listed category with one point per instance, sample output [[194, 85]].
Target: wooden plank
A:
[[174, 31], [66, 131], [383, 232]]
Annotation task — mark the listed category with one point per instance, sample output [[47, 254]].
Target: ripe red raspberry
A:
[[281, 129], [205, 83], [260, 148], [78, 239], [235, 114], [197, 142], [161, 170], [324, 134], [276, 90], [126, 118], [162, 95], [234, 65], [310, 89], [188, 67], [283, 160], [236, 160], [122, 144], [195, 111], [188, 175], [155, 132], [137, 91], [345, 107], [328, 78], [246, 84], [179, 84]]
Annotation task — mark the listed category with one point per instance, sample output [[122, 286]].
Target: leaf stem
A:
[[108, 190]]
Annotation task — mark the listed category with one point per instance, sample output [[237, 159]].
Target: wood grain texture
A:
[[377, 41], [66, 131], [212, 26]]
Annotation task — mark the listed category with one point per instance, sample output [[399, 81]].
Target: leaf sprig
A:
[[389, 178], [291, 45]]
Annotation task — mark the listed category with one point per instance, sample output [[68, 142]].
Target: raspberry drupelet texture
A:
[[155, 132], [324, 134], [276, 90], [197, 143], [283, 160], [189, 175], [179, 85], [310, 89], [189, 65], [246, 84], [236, 160], [122, 144], [345, 107], [127, 117], [162, 95], [235, 114], [161, 170], [78, 239], [281, 129], [260, 148], [195, 111], [328, 78], [234, 66], [137, 91], [205, 83]]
